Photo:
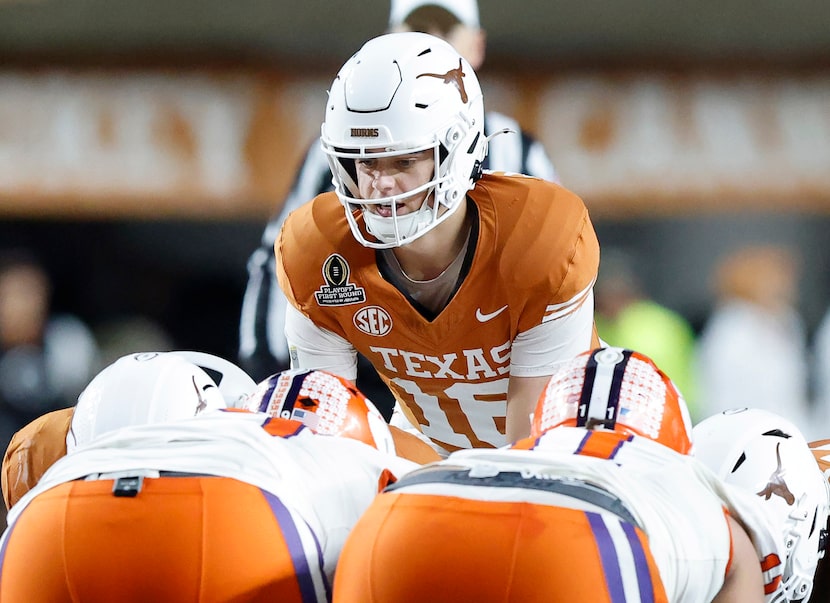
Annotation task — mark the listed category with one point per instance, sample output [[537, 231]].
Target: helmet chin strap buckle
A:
[[478, 167], [478, 171]]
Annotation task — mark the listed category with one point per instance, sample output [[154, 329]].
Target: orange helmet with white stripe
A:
[[618, 389], [325, 403]]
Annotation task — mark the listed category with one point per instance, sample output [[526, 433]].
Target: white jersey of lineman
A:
[[326, 481], [675, 500]]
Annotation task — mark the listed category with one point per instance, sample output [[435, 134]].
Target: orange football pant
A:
[[180, 539], [411, 548]]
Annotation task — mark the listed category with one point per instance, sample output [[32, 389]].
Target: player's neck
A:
[[428, 256]]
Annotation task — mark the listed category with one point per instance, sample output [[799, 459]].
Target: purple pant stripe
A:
[[295, 548], [608, 556], [640, 564]]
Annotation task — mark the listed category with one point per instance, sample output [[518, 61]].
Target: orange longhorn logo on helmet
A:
[[776, 484], [453, 76], [202, 403]]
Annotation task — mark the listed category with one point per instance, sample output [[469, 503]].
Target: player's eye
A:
[[410, 161]]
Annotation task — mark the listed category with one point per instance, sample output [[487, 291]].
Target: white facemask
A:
[[394, 229]]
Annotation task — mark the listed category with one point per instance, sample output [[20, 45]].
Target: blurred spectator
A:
[[262, 346], [131, 334], [46, 359], [821, 371], [752, 351], [626, 316]]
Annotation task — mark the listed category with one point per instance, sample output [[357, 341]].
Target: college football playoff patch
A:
[[337, 290]]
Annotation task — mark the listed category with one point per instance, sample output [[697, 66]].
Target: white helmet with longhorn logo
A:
[[766, 455], [404, 93], [154, 387]]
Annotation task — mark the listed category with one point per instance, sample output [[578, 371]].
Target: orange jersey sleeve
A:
[[32, 451], [535, 259]]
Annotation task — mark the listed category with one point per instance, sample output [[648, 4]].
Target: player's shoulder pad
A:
[[538, 225]]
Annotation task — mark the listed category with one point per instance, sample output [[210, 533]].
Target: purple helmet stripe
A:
[[600, 397], [616, 386], [587, 389]]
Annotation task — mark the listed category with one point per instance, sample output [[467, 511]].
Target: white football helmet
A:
[[403, 93], [325, 403], [139, 389], [767, 455], [234, 383]]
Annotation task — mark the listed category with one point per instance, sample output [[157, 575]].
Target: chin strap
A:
[[478, 168], [497, 132]]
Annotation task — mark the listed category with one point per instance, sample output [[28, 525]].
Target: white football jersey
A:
[[674, 499], [327, 481]]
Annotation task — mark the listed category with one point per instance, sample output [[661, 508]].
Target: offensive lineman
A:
[[603, 504], [228, 505]]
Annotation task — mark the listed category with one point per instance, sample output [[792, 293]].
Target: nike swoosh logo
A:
[[485, 317]]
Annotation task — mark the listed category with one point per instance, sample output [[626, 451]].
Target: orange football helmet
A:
[[325, 403], [618, 389]]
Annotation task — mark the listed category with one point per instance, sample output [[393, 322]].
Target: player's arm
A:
[[32, 450], [743, 582], [522, 395], [534, 357], [408, 446], [312, 347]]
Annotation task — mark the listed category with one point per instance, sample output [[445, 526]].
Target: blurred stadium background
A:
[[143, 145]]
